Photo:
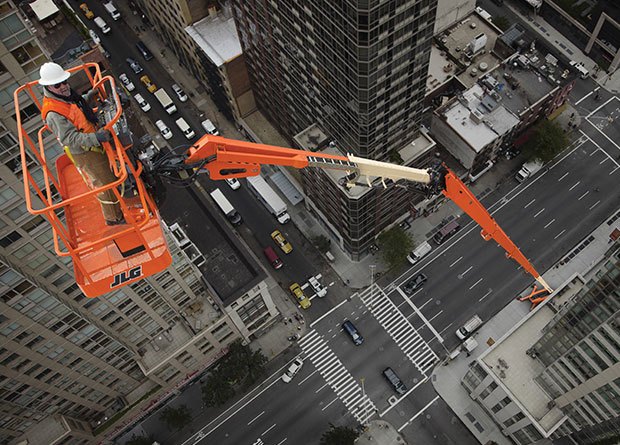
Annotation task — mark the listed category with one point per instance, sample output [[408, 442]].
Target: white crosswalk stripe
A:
[[337, 376], [399, 328]]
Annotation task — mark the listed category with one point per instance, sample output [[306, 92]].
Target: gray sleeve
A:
[[68, 135]]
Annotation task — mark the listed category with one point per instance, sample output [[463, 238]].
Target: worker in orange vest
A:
[[69, 116]]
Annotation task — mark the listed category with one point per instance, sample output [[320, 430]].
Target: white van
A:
[[419, 252], [102, 25], [112, 11], [185, 128], [583, 72], [209, 127], [469, 327]]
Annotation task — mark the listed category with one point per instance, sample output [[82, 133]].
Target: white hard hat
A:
[[52, 73]]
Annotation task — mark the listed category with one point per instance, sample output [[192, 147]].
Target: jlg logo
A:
[[124, 277]]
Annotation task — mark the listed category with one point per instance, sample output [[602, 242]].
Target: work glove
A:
[[103, 136]]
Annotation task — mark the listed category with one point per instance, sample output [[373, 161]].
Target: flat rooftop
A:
[[478, 118], [217, 37], [457, 40], [228, 268], [440, 68], [522, 86]]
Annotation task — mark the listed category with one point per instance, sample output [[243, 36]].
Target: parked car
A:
[[146, 80], [87, 12], [135, 66], [93, 35], [209, 127], [281, 241], [233, 183], [414, 284], [292, 370], [144, 105], [273, 258], [163, 128], [299, 295], [127, 82], [179, 92]]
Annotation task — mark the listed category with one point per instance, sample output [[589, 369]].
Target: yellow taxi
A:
[[86, 10], [303, 301], [148, 84], [281, 241]]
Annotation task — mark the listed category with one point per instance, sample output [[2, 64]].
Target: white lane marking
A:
[[268, 429], [435, 316], [417, 414], [485, 295], [430, 299], [604, 160], [563, 176], [403, 397], [346, 300], [594, 205], [584, 97], [311, 374], [559, 234], [317, 391], [598, 146], [612, 172], [446, 328], [549, 223], [459, 259], [598, 108], [470, 268], [250, 422], [282, 441], [422, 317], [476, 283], [574, 185], [583, 196], [539, 212], [529, 203], [326, 406]]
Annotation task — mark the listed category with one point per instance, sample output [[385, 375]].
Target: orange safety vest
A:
[[72, 112], [69, 110]]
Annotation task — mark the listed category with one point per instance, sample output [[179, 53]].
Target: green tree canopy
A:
[[176, 418], [395, 246], [547, 140], [322, 243], [217, 390], [338, 435]]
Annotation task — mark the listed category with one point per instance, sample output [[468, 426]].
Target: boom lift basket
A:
[[104, 257]]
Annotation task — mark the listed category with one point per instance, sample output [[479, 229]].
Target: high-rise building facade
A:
[[69, 363], [355, 69]]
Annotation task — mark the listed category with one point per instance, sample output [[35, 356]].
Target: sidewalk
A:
[[448, 375], [379, 432]]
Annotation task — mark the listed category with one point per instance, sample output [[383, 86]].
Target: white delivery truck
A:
[[419, 252], [165, 101], [527, 170], [226, 207], [269, 198]]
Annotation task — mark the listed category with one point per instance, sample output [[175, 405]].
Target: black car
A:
[[135, 66], [414, 284]]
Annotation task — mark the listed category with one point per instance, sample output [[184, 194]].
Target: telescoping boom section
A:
[[225, 158]]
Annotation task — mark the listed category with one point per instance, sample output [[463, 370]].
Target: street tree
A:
[[255, 367], [338, 435], [217, 390], [176, 418], [395, 245], [322, 243], [547, 140]]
